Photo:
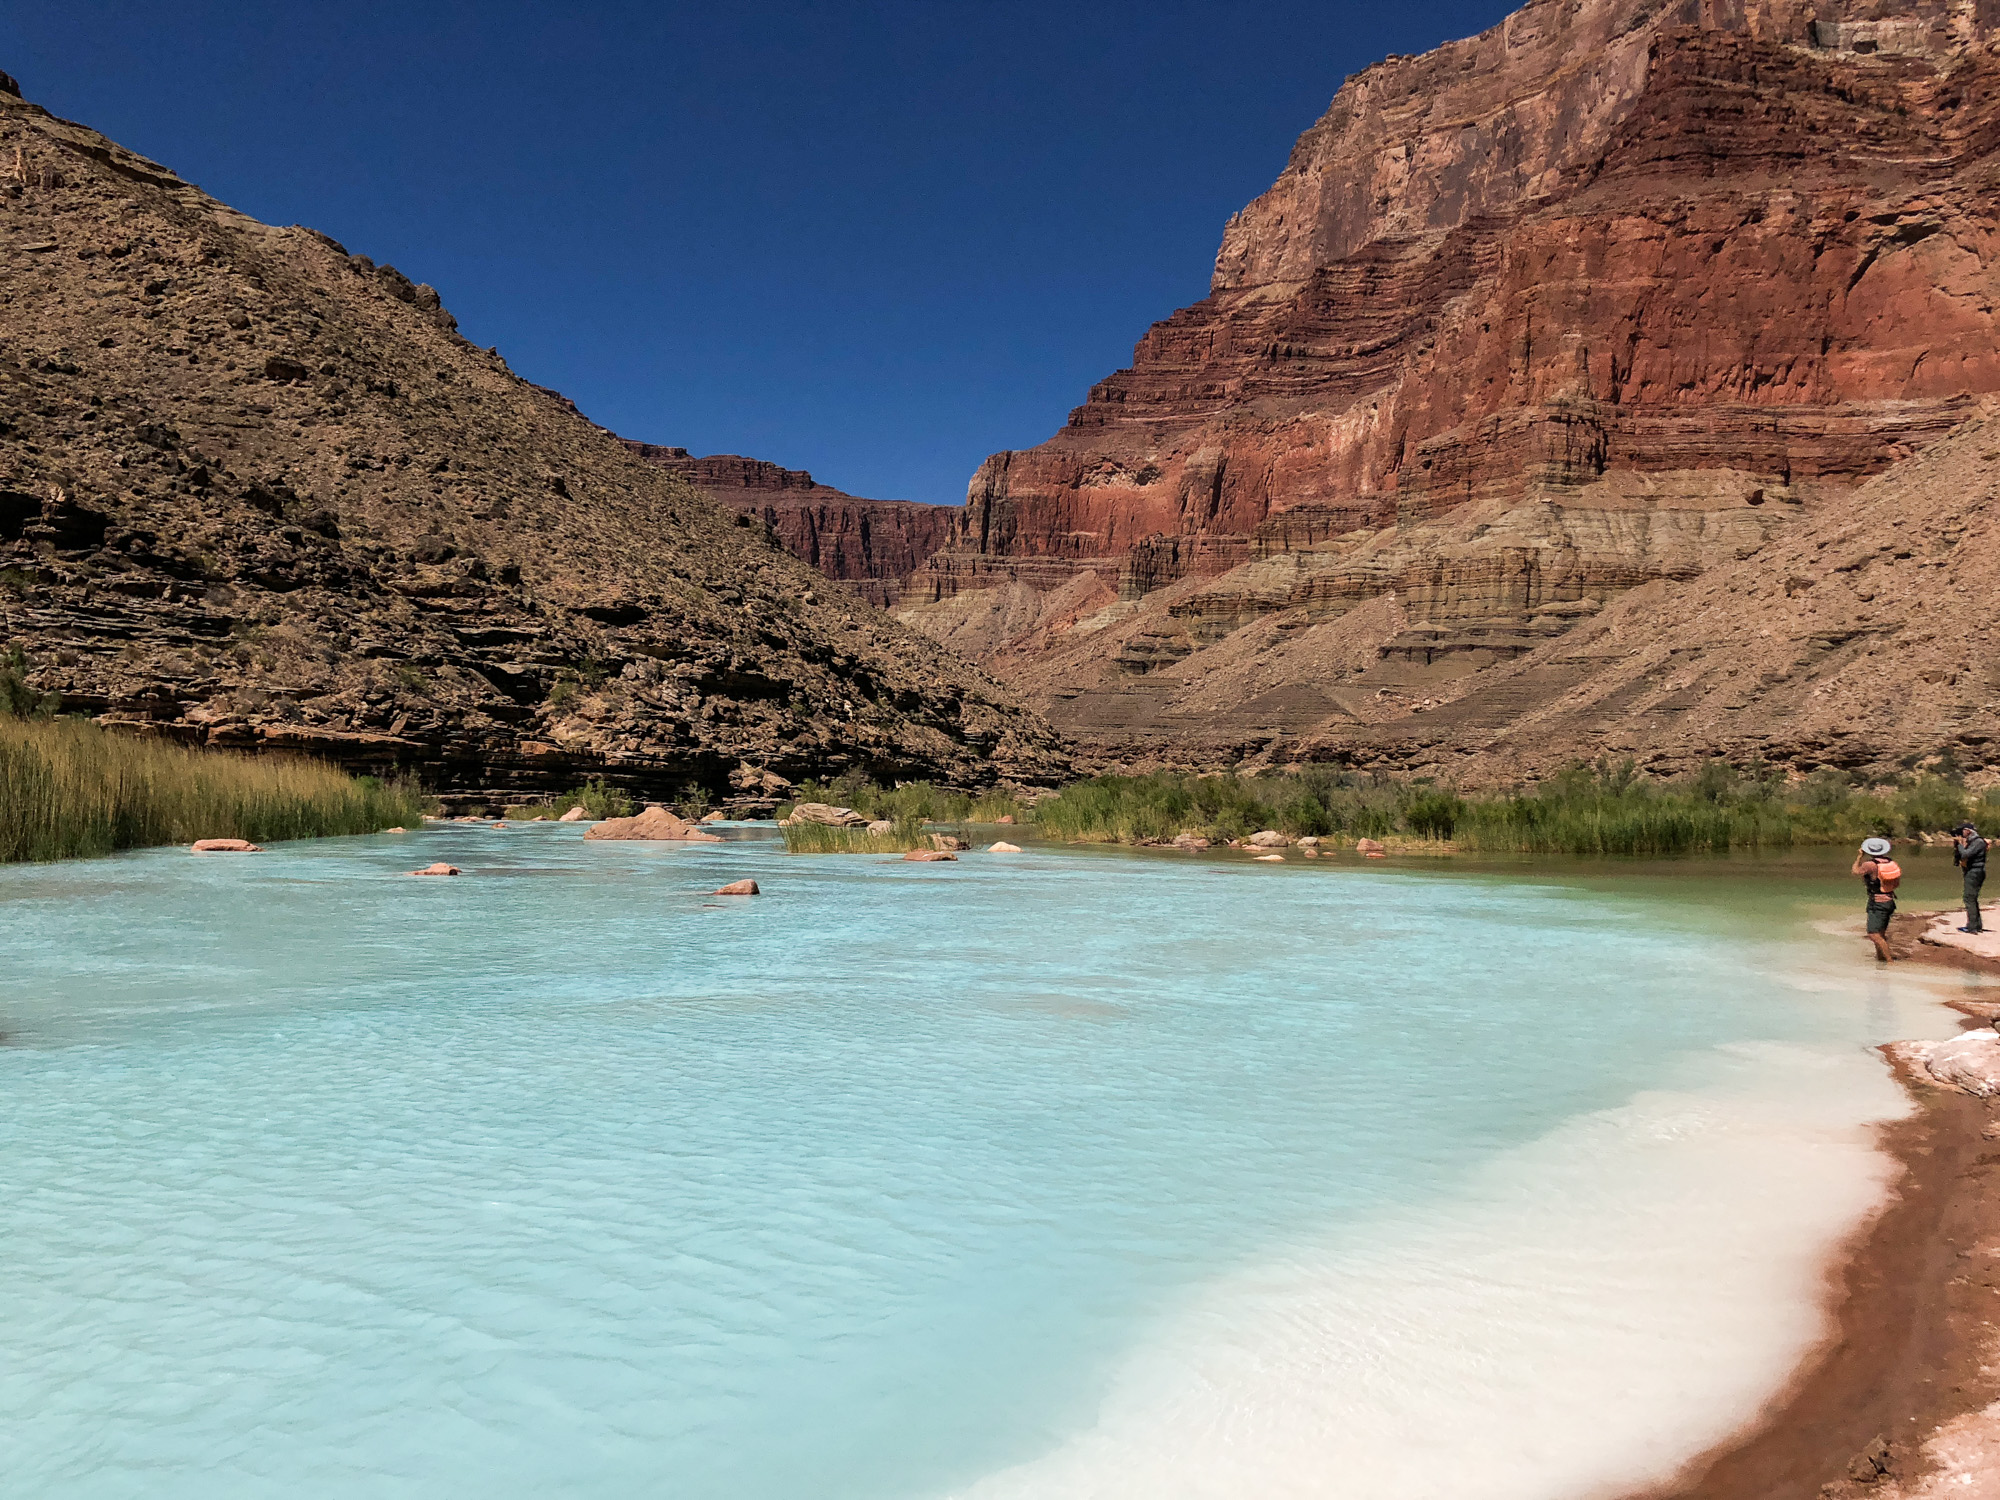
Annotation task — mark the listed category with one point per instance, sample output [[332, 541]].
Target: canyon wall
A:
[[1608, 236], [1609, 295], [870, 545]]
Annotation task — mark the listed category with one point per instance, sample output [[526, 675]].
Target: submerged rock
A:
[[655, 823], [1269, 859], [928, 856], [225, 846], [438, 869], [738, 888]]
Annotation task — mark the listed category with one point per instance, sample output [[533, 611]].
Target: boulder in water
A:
[[655, 823], [574, 815], [225, 846], [928, 856], [438, 869], [827, 813], [1003, 847], [1370, 848], [738, 888]]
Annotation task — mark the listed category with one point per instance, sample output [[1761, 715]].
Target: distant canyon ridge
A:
[[1621, 381], [1616, 381]]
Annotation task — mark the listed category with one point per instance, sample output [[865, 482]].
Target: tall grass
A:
[[594, 797], [820, 838], [1603, 809], [68, 789], [912, 799]]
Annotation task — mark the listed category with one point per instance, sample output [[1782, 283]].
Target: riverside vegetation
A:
[[67, 789], [1606, 808], [915, 808]]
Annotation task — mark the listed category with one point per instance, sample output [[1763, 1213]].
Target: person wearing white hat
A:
[[1881, 874]]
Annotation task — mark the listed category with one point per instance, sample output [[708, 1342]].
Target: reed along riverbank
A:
[[69, 789], [1588, 810]]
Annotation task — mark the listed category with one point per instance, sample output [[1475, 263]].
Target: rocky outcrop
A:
[[258, 492], [1605, 298], [870, 545]]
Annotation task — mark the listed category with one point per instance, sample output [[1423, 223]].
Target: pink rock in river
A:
[[225, 846], [654, 823]]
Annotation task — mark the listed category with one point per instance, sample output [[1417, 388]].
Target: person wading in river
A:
[[1881, 875], [1968, 852]]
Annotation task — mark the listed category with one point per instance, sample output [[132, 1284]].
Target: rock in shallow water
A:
[[225, 846], [574, 815], [438, 869], [654, 823], [1003, 847], [827, 813], [738, 888], [928, 856]]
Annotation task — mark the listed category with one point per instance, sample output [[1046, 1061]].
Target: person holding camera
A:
[[1968, 852]]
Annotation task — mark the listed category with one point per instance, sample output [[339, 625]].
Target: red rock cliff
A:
[[870, 544], [1705, 247]]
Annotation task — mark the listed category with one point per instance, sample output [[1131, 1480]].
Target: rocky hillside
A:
[[1602, 300], [870, 545], [257, 491]]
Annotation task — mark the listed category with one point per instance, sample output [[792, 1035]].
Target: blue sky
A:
[[876, 241]]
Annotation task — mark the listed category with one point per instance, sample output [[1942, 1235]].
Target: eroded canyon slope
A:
[[257, 491], [869, 545], [1533, 332]]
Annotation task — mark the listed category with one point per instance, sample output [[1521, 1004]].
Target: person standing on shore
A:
[[1968, 852], [1881, 874]]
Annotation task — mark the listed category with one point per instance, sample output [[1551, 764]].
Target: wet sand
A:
[[1894, 1405]]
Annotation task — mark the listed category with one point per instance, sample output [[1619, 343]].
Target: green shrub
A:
[[820, 838]]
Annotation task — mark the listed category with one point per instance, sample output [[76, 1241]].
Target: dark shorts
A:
[[1879, 914]]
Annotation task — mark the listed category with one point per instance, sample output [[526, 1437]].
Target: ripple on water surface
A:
[[899, 1180]]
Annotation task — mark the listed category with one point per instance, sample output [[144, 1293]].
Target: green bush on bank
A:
[[821, 838], [68, 789], [1607, 808], [918, 800], [594, 797]]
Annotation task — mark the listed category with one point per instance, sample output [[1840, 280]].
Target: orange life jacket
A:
[[1882, 884]]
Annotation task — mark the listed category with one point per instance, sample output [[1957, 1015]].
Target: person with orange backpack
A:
[[1881, 874]]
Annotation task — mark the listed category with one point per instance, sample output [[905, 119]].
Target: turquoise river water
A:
[[1058, 1174]]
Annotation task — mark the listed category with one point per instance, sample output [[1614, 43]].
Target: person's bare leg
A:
[[1881, 943]]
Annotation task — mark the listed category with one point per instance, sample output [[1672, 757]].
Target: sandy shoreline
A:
[[1902, 1402]]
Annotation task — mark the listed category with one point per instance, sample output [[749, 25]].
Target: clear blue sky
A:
[[873, 240]]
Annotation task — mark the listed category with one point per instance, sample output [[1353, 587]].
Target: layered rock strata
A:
[[256, 491], [869, 545], [1608, 296]]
